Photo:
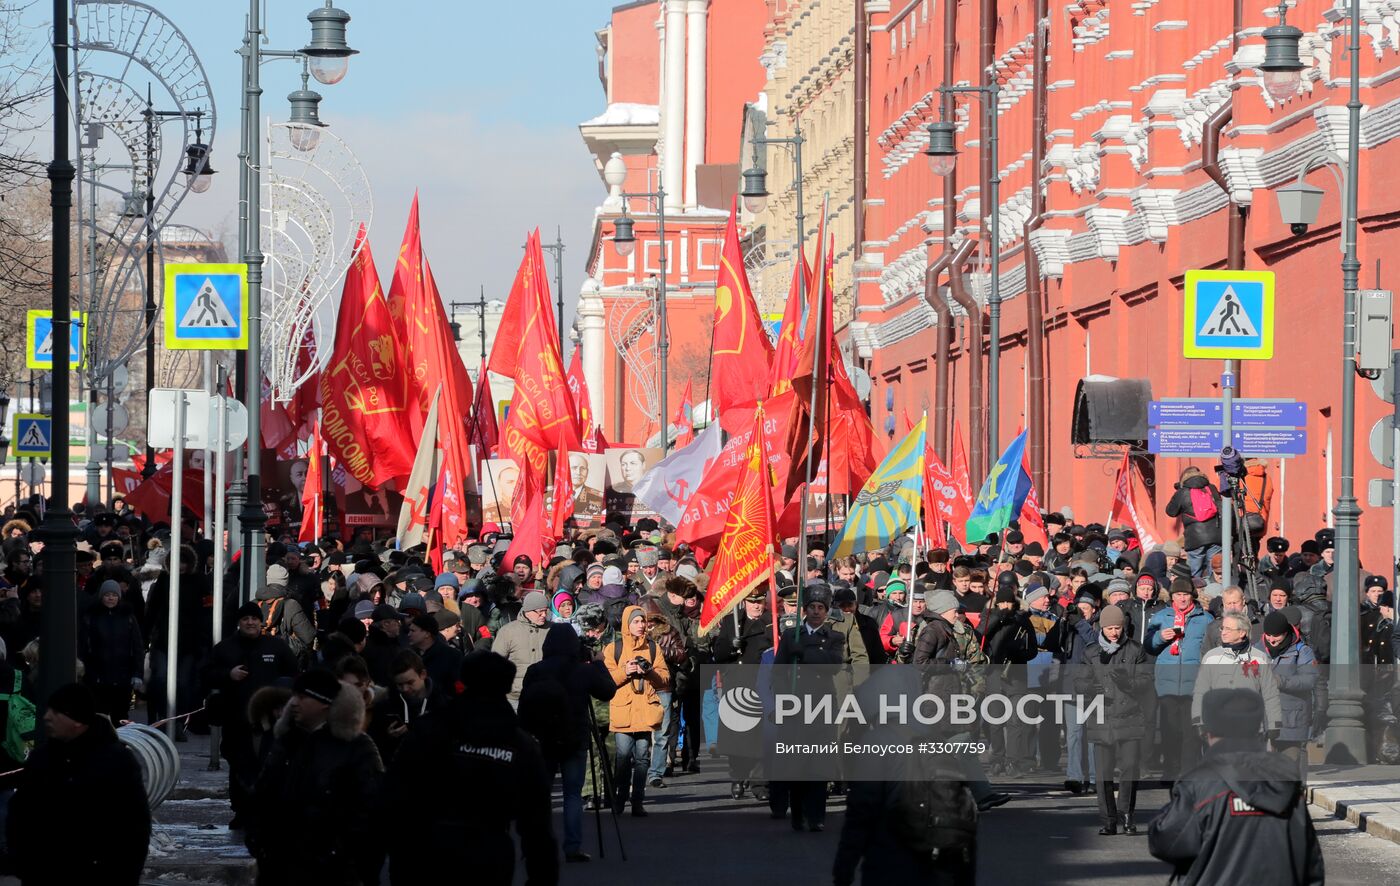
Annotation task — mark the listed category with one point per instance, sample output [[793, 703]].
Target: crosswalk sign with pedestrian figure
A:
[[38, 344], [33, 436], [1229, 315], [206, 307]]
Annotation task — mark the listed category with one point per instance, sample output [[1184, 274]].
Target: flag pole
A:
[[817, 363]]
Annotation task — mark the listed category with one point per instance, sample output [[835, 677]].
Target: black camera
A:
[[1231, 468], [643, 665]]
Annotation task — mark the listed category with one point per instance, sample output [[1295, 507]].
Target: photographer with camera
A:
[[640, 675], [1197, 504]]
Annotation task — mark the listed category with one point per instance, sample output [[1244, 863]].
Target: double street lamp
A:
[[326, 58], [1298, 206]]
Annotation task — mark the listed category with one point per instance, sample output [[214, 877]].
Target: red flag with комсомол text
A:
[[369, 417], [745, 555]]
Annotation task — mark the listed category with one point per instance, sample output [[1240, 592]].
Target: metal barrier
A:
[[159, 760]]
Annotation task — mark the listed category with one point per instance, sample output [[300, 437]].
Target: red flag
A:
[[578, 389], [369, 417], [745, 556], [942, 498], [124, 481], [961, 479], [152, 497], [313, 492], [682, 418], [790, 333], [1126, 504], [1031, 523], [505, 349], [741, 354], [416, 305], [529, 521], [485, 434]]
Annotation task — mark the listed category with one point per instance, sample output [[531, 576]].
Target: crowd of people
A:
[[357, 667]]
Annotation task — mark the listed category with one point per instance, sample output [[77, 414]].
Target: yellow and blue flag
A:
[[889, 502], [1002, 495]]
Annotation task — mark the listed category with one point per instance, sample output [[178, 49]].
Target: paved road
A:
[[697, 836]]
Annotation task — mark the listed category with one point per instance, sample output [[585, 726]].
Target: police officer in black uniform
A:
[[1276, 563], [474, 748]]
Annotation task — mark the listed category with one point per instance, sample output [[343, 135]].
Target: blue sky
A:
[[476, 104]]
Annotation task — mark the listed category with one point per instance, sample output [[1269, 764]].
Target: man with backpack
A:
[[284, 615], [1197, 504], [555, 698]]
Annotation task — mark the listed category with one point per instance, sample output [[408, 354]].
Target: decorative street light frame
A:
[[624, 243]]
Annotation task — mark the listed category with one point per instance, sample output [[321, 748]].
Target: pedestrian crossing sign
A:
[[1229, 315], [206, 307], [33, 436], [38, 335]]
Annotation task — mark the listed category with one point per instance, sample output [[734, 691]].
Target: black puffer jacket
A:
[[110, 645], [1239, 817], [1121, 677], [93, 771], [1199, 533], [580, 680], [1315, 614]]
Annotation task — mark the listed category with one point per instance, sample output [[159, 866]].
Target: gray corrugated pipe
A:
[[159, 761]]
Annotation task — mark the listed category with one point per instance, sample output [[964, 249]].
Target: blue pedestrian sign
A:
[[38, 340], [33, 436], [1229, 315], [206, 307]]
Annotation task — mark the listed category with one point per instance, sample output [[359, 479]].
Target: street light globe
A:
[[624, 248], [942, 164], [329, 70], [755, 203], [1282, 85], [200, 183], [304, 137]]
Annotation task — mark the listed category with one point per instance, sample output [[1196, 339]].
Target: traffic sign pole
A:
[[172, 631], [1227, 512]]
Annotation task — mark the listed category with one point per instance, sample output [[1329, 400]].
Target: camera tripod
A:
[[598, 760], [1245, 551]]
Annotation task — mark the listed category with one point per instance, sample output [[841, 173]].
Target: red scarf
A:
[[1179, 623]]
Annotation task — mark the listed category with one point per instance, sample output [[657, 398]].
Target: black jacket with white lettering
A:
[[474, 748], [1238, 817]]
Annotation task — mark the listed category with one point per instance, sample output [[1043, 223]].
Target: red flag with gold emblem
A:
[[745, 556], [416, 306], [578, 389], [369, 417], [741, 355]]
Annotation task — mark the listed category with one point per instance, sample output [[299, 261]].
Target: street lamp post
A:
[[942, 152], [1298, 205], [480, 307], [625, 241], [557, 247], [326, 58], [59, 628]]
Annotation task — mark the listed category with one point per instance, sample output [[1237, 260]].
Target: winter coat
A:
[[1198, 533], [395, 708], [94, 771], [1315, 612], [1176, 674], [1139, 613], [1376, 634], [950, 658], [1224, 668], [523, 643], [1238, 817], [314, 801], [285, 616], [443, 661], [110, 646], [1212, 638], [613, 598], [753, 637], [636, 706], [1121, 677], [1296, 672], [196, 616], [379, 654], [580, 681], [268, 660], [473, 748]]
